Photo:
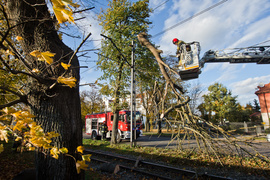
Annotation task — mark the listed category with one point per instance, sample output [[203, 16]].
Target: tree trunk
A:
[[115, 127], [159, 127], [58, 108], [210, 116], [62, 115], [147, 123], [116, 104]]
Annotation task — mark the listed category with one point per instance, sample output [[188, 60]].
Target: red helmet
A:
[[175, 40]]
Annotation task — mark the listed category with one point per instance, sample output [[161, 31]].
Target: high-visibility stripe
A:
[[192, 67]]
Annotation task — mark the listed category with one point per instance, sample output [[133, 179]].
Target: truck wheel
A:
[[94, 135], [118, 138]]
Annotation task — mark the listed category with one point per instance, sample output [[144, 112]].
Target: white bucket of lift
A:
[[268, 137]]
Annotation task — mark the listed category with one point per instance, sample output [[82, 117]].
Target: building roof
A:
[[255, 114], [264, 89]]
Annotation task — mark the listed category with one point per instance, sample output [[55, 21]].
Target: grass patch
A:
[[253, 166]]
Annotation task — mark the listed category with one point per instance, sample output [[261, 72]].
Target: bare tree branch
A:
[[76, 51], [22, 98], [16, 71], [187, 123], [12, 103]]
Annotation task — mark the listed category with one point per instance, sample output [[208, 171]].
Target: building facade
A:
[[263, 94]]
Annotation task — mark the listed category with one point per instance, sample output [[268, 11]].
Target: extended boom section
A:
[[255, 54], [190, 66]]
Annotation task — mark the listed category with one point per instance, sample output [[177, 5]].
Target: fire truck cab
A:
[[93, 124]]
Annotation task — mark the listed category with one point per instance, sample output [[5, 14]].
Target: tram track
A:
[[149, 170]]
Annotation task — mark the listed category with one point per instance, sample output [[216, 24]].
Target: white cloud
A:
[[90, 25], [257, 32], [211, 66], [246, 88], [219, 27], [228, 72]]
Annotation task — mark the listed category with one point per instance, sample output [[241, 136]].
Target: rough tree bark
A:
[[56, 108]]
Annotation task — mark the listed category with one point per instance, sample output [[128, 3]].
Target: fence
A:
[[246, 127]]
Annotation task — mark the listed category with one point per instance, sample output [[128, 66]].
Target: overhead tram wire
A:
[[188, 19], [239, 49], [261, 42], [88, 69], [160, 5], [125, 59]]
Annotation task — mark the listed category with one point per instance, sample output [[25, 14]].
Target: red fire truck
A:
[[93, 124]]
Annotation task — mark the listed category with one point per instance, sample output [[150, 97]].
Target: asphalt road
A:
[[165, 142]]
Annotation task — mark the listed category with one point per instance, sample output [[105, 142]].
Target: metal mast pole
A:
[[132, 104], [134, 93]]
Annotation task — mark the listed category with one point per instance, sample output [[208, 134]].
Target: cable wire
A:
[[188, 19], [160, 5]]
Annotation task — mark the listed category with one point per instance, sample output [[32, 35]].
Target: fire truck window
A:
[[111, 117], [121, 117], [128, 118], [94, 123]]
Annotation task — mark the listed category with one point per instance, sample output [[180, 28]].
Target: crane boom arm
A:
[[255, 54], [191, 65]]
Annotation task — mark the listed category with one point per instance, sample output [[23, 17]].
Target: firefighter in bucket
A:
[[179, 51]]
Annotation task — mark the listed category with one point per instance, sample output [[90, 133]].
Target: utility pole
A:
[[132, 101]]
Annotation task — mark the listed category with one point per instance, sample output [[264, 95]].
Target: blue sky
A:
[[233, 24]]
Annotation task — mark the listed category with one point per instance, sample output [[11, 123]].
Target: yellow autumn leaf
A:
[[19, 38], [1, 148], [9, 52], [63, 15], [64, 3], [47, 146], [86, 157], [52, 134], [35, 71], [31, 148], [43, 56], [8, 110], [55, 152], [69, 2], [19, 126], [27, 114], [18, 138], [47, 56], [62, 10], [71, 81], [3, 134], [65, 66], [63, 150], [32, 125], [16, 114], [36, 131], [81, 165], [80, 149]]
